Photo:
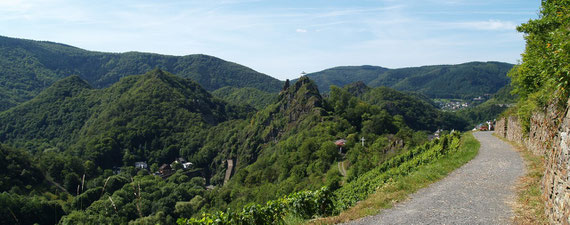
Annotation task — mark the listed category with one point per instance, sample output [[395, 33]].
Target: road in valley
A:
[[477, 193]]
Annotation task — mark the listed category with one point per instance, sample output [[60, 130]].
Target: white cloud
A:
[[301, 30], [486, 25]]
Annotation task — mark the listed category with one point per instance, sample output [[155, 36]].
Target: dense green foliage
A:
[[323, 202], [28, 67], [466, 80], [18, 172], [136, 198], [254, 97], [21, 190], [543, 76], [304, 204]]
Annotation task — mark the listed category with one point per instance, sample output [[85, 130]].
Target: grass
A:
[[398, 189], [529, 206]]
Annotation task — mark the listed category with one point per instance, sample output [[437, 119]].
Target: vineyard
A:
[[324, 202]]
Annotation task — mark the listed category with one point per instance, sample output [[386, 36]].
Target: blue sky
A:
[[283, 38]]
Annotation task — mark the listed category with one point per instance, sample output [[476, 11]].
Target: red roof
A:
[[340, 142]]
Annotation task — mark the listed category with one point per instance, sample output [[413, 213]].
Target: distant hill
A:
[[27, 67], [442, 81], [343, 75], [418, 113]]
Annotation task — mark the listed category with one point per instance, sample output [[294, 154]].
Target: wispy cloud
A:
[[298, 30], [485, 25]]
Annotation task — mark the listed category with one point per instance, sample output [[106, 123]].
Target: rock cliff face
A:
[[300, 99], [549, 135]]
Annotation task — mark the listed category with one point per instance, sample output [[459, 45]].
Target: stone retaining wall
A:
[[551, 138], [514, 130], [556, 180], [501, 127]]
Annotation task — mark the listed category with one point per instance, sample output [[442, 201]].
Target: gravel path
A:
[[477, 193]]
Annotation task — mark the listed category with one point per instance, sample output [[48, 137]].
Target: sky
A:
[[283, 38]]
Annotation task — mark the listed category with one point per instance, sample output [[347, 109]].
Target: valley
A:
[[90, 137], [169, 141]]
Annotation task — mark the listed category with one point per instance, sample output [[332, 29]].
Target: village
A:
[[457, 104], [165, 170]]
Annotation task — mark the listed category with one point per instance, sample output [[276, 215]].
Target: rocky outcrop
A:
[[300, 99], [296, 103], [549, 135]]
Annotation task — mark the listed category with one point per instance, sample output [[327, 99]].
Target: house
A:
[[186, 165], [116, 170], [141, 165], [180, 160], [437, 133], [340, 143], [165, 169]]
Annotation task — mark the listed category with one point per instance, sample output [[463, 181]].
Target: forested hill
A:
[[27, 67], [442, 81], [157, 111]]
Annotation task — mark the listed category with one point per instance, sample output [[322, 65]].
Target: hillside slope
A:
[[156, 111], [28, 67], [254, 97]]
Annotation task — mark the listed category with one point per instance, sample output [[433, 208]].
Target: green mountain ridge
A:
[[29, 66], [465, 80]]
